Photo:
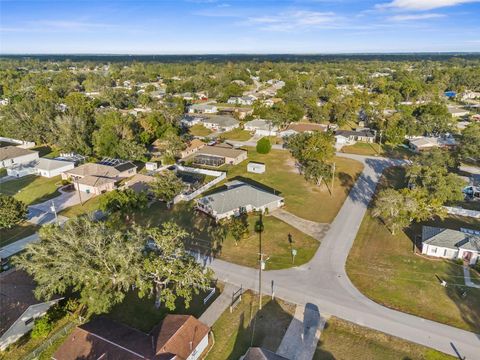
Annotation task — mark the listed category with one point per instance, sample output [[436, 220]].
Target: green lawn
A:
[[47, 151], [142, 314], [367, 149], [248, 326], [3, 172], [344, 340], [302, 198], [384, 268], [236, 134], [88, 207], [24, 229], [32, 189], [206, 237], [199, 130]]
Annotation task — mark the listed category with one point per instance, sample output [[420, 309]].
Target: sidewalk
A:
[[221, 303], [303, 333], [468, 280]]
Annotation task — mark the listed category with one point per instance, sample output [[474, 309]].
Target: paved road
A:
[[324, 282]]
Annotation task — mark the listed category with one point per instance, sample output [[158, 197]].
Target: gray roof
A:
[[11, 152], [347, 133], [51, 164], [220, 120], [451, 239], [237, 196], [261, 124]]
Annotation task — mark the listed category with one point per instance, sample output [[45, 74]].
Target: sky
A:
[[238, 26]]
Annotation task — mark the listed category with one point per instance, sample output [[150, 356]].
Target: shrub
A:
[[264, 146], [42, 327]]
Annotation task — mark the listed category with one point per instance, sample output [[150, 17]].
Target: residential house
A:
[[470, 95], [256, 167], [242, 100], [176, 337], [18, 306], [450, 244], [242, 113], [218, 155], [203, 109], [221, 123], [42, 166], [14, 155], [238, 198], [297, 128], [151, 166], [192, 148], [191, 120], [423, 143], [261, 127], [97, 178], [363, 135], [456, 111]]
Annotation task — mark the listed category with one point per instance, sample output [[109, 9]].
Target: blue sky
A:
[[247, 26]]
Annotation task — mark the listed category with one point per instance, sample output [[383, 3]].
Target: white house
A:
[[261, 127], [18, 306], [151, 166], [423, 143], [176, 337], [191, 120], [256, 167], [450, 244], [202, 109], [50, 167], [239, 197], [243, 100], [220, 123], [14, 155]]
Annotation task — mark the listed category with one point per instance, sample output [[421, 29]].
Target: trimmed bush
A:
[[264, 146]]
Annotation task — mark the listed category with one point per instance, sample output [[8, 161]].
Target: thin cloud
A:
[[70, 25], [294, 20], [422, 4], [413, 17]]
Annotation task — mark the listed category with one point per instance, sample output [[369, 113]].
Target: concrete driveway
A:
[[324, 282]]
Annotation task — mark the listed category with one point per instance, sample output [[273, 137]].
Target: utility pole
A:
[[333, 175], [259, 230], [78, 190], [54, 210]]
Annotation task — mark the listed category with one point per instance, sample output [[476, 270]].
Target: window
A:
[[433, 250], [28, 321], [445, 252]]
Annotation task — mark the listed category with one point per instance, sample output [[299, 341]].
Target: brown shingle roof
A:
[[179, 335], [10, 152], [112, 340], [94, 169], [302, 127]]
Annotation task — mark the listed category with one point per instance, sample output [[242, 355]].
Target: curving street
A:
[[324, 282]]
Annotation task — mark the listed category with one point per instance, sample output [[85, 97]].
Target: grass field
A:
[[207, 237], [88, 207], [375, 149], [236, 134], [343, 340], [199, 130], [32, 189], [24, 229], [142, 314], [384, 268], [302, 198], [248, 326]]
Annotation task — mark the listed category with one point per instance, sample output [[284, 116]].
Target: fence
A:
[[463, 212], [236, 298], [48, 342], [220, 175]]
